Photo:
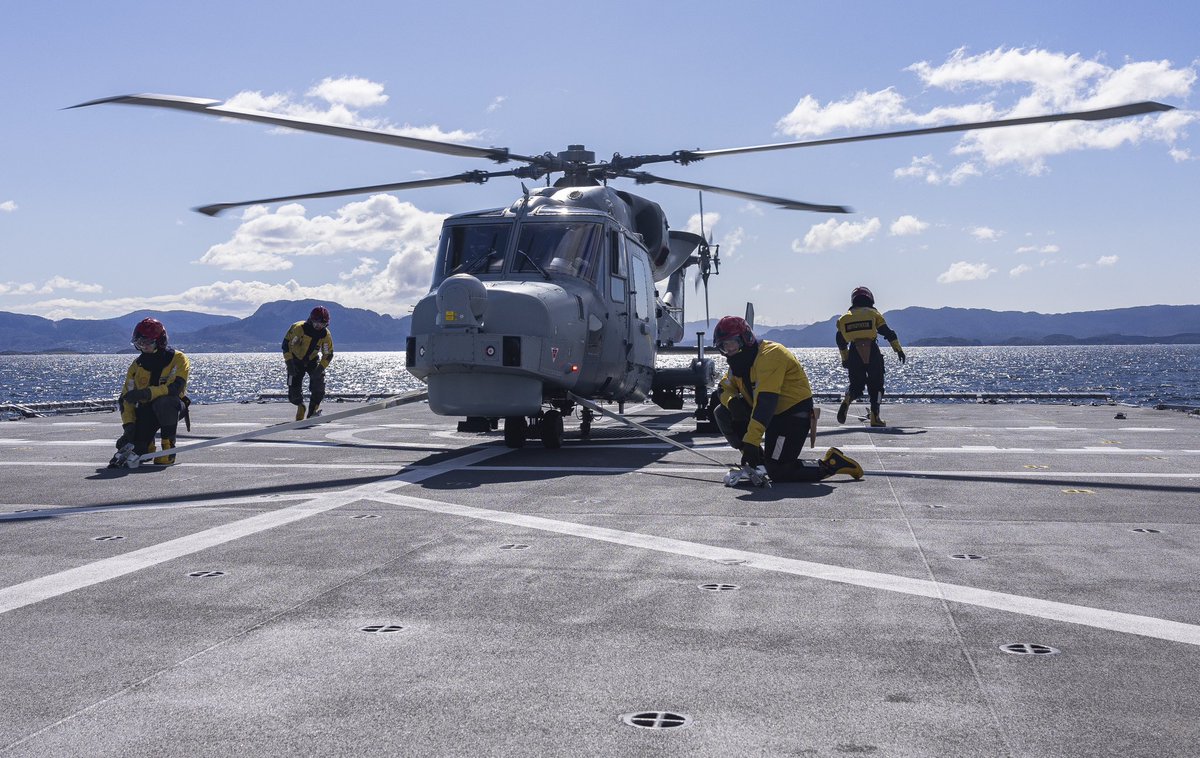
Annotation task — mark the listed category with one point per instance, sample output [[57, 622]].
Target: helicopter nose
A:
[[461, 302]]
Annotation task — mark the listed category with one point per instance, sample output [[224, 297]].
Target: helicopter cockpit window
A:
[[616, 267], [474, 248], [571, 248]]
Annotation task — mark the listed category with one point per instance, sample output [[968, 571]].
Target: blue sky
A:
[[94, 202]]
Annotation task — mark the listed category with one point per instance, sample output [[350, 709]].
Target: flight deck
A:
[[1014, 579]]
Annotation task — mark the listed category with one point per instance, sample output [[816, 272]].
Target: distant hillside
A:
[[358, 329], [22, 333], [353, 329], [1170, 324]]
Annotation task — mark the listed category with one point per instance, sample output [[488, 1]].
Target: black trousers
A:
[[782, 442], [316, 383], [868, 375], [149, 418]]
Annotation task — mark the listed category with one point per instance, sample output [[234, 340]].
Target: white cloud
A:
[[267, 241], [8, 206], [834, 234], [365, 267], [907, 225], [753, 208], [965, 272], [1103, 262], [496, 103], [342, 99], [17, 288], [1044, 249], [350, 91], [51, 285], [1013, 83], [732, 241], [57, 283], [984, 233], [1018, 270], [710, 221], [930, 171]]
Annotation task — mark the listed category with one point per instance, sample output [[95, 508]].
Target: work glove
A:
[[752, 455], [901, 356], [133, 397], [126, 437]]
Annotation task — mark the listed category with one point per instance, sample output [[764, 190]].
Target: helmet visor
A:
[[318, 324], [731, 346], [144, 343]]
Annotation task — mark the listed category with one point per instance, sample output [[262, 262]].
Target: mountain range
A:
[[916, 326], [357, 329], [354, 329]]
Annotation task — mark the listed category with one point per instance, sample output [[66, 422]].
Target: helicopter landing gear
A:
[[516, 430], [585, 425], [550, 425], [547, 425]]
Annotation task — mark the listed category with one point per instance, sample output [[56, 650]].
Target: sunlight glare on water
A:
[[1141, 374]]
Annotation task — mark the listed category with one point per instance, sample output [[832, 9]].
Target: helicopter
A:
[[552, 301]]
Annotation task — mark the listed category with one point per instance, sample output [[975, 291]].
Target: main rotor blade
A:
[[643, 178], [469, 177], [1120, 111], [214, 108]]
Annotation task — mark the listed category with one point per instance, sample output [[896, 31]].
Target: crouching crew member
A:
[[858, 328], [308, 349], [154, 395], [766, 397]]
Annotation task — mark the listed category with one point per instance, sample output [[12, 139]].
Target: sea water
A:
[[1138, 374]]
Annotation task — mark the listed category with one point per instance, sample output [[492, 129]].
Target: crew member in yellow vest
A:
[[308, 349], [154, 395], [766, 400], [857, 330]]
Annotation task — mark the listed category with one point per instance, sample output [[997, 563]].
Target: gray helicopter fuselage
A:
[[554, 294]]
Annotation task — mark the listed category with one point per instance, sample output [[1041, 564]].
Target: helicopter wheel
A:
[[551, 426], [516, 429]]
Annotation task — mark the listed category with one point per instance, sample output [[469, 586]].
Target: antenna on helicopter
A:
[[707, 261]]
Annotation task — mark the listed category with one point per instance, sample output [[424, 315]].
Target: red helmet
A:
[[732, 334], [149, 333], [320, 315], [862, 296]]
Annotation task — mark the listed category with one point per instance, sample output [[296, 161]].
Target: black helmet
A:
[[862, 296]]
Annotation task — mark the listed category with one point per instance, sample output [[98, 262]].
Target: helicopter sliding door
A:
[[643, 325]]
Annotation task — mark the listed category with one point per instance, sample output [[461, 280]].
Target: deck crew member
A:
[[858, 328], [154, 395], [766, 398], [308, 349]]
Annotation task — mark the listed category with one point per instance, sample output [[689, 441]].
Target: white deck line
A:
[[53, 585], [1128, 623]]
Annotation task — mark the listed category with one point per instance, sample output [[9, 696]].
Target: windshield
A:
[[571, 248], [474, 248]]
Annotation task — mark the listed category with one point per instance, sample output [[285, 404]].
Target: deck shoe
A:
[[843, 409], [299, 412], [838, 462], [876, 421], [314, 411], [166, 460]]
